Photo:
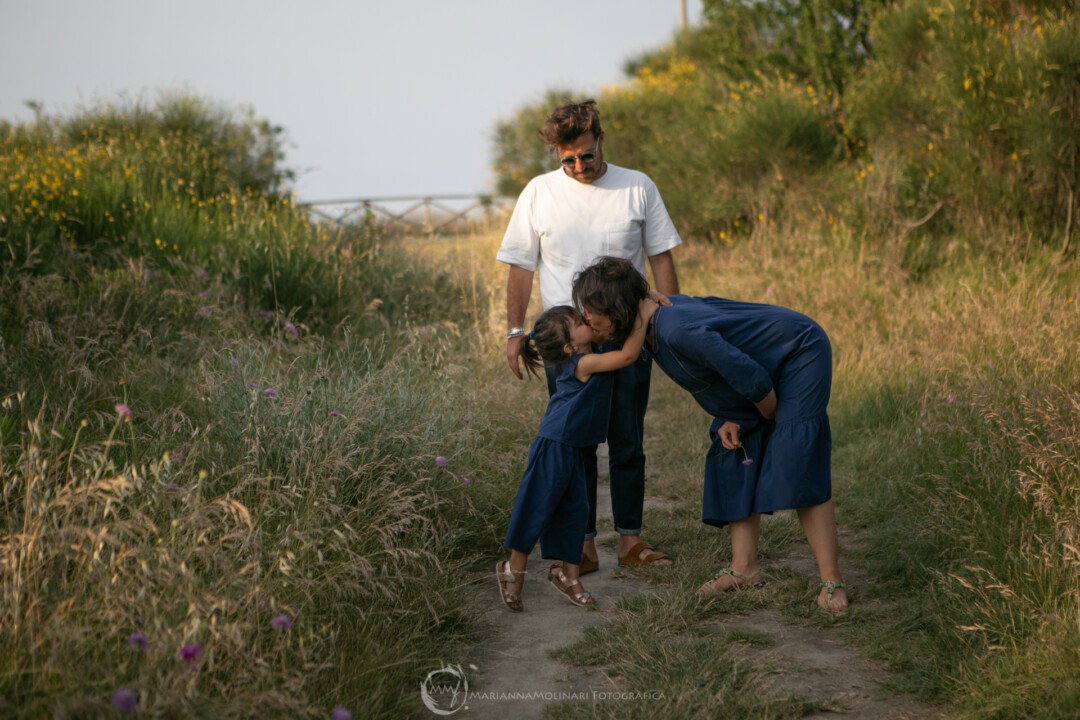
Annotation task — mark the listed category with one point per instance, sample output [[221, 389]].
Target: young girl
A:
[[552, 505]]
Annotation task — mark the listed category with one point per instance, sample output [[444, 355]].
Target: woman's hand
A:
[[729, 435]]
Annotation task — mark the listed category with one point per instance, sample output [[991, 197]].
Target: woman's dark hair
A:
[[547, 342], [569, 122], [612, 286]]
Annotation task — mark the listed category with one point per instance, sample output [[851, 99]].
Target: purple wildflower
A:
[[137, 641], [440, 461], [269, 392], [177, 456], [950, 398], [746, 458], [292, 330], [172, 487], [191, 653], [281, 622], [205, 311], [340, 713], [466, 481], [125, 700], [334, 413], [202, 274], [263, 314], [124, 412]]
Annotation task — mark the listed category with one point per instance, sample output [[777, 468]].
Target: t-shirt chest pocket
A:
[[623, 240]]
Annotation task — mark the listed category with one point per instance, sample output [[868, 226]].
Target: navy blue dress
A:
[[552, 503], [728, 355]]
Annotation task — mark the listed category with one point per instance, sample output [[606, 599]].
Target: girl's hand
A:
[[646, 308], [729, 435], [659, 298]]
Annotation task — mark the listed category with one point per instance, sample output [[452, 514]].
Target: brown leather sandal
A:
[[588, 565], [580, 597], [511, 583], [633, 558]]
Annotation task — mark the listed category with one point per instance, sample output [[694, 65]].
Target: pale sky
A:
[[378, 97]]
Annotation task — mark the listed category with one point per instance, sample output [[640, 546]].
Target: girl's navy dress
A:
[[552, 504], [729, 354]]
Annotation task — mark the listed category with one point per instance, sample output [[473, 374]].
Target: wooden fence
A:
[[415, 214]]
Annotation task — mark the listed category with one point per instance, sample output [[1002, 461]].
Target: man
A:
[[562, 222]]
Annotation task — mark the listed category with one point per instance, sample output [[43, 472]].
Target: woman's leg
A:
[[743, 571], [819, 524], [745, 534]]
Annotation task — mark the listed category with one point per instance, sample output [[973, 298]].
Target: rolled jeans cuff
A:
[[623, 531]]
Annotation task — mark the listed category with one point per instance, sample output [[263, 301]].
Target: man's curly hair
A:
[[569, 122]]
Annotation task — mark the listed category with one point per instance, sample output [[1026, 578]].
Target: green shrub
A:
[[977, 103]]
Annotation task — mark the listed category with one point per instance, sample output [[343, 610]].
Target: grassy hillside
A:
[[218, 435]]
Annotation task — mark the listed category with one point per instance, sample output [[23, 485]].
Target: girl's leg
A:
[[565, 578], [560, 539], [819, 524], [743, 571], [511, 576], [518, 561]]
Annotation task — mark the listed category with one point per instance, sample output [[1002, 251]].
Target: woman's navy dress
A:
[[552, 503], [729, 354]]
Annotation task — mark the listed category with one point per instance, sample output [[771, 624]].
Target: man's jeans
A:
[[625, 441]]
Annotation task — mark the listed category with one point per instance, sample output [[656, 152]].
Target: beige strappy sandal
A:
[[728, 580], [580, 597], [511, 583]]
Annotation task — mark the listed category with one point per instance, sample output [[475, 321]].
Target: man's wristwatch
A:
[[515, 332]]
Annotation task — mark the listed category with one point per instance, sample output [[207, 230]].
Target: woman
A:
[[764, 373]]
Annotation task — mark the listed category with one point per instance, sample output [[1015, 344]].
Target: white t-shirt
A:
[[561, 226]]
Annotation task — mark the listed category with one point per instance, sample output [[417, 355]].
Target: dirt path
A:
[[513, 675], [815, 662]]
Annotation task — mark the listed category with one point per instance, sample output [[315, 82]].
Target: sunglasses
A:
[[586, 158]]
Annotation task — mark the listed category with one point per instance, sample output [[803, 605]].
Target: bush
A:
[[978, 104]]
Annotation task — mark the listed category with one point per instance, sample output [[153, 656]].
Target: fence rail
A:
[[426, 214]]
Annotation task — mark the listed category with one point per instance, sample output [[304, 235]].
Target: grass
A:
[[291, 385]]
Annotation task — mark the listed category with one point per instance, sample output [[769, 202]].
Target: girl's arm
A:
[[627, 354]]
